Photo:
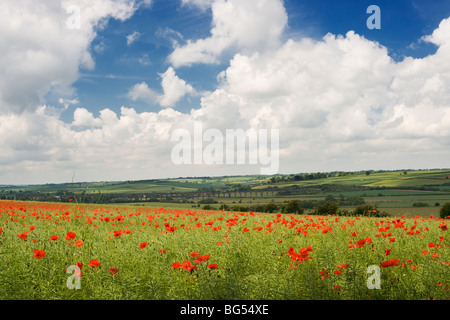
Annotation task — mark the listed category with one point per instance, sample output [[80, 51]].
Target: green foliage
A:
[[327, 208], [270, 207], [445, 210], [420, 204], [293, 206], [207, 201], [369, 211]]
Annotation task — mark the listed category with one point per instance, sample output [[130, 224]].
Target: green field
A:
[[52, 251], [421, 192]]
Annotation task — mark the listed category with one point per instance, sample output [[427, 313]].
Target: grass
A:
[[252, 252]]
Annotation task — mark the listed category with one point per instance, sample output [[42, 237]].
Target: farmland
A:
[[404, 192], [123, 252]]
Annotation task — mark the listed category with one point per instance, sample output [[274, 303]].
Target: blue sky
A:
[[105, 99], [117, 67]]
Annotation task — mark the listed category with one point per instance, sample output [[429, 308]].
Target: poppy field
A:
[[89, 252]]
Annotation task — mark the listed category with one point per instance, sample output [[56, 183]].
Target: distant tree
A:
[[405, 172], [270, 207], [293, 206], [327, 208], [367, 172], [420, 204], [445, 210]]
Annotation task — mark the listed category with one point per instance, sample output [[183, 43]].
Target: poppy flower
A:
[[343, 266], [194, 254], [213, 266], [23, 235], [360, 243], [389, 263], [187, 265], [38, 254], [143, 245], [70, 236], [94, 263], [113, 270], [78, 243], [388, 252], [202, 258], [32, 228], [338, 272], [176, 265], [53, 238]]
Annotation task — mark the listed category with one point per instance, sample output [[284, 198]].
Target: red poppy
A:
[[338, 272], [113, 270], [78, 243], [70, 236], [23, 235], [202, 258], [213, 266], [176, 265], [360, 243], [194, 254], [94, 263], [389, 263], [38, 254], [143, 245], [53, 238], [187, 265], [32, 228], [388, 252]]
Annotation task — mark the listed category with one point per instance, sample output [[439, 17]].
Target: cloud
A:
[[144, 60], [202, 4], [440, 36], [141, 91], [133, 37], [340, 103], [173, 88], [247, 26], [40, 52]]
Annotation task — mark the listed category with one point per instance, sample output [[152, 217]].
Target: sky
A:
[[97, 90]]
